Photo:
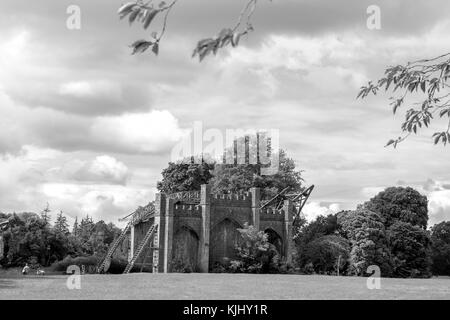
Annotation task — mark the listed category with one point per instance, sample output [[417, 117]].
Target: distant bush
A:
[[90, 263]]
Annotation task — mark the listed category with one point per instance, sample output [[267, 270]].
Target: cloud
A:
[[102, 170], [106, 202], [97, 187], [439, 206], [151, 132], [314, 209]]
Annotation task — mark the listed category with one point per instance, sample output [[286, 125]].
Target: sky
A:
[[88, 127]]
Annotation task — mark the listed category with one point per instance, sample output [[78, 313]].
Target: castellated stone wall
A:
[[202, 235]]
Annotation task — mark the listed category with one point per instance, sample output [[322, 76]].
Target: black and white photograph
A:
[[242, 152]]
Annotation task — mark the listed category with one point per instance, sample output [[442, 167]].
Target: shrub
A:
[[322, 255], [255, 254], [178, 265], [89, 262], [117, 265]]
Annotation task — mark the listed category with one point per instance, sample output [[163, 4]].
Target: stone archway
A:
[[276, 240], [185, 250], [223, 241]]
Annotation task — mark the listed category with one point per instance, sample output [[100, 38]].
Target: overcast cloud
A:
[[88, 127]]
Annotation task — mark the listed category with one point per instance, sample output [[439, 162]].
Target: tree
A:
[[232, 178], [366, 232], [147, 13], [326, 254], [85, 233], [423, 87], [255, 254], [309, 232], [45, 214], [409, 246], [184, 176], [75, 228], [440, 248], [102, 236], [400, 204], [29, 238], [61, 226]]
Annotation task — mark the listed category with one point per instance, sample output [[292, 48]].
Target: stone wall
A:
[[200, 235]]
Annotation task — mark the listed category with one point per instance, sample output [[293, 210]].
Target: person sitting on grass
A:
[[40, 272], [25, 269]]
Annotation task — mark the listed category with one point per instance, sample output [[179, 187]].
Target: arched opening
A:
[[276, 240], [185, 250], [223, 241]]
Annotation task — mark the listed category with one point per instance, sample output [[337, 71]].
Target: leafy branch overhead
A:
[[426, 82], [148, 12]]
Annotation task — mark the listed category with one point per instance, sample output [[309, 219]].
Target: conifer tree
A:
[[45, 214], [61, 225]]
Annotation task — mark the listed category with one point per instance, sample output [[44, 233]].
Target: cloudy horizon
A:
[[88, 128]]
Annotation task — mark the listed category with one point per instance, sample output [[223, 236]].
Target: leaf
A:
[[422, 86], [140, 46], [133, 15], [389, 143], [149, 18], [437, 138], [155, 48], [126, 8]]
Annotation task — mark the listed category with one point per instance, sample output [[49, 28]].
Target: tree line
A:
[[388, 231], [31, 238]]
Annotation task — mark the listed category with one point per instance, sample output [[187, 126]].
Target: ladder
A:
[[112, 249], [150, 233]]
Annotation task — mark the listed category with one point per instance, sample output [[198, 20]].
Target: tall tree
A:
[[367, 234], [410, 250], [400, 204], [45, 214], [405, 217], [231, 178], [61, 226], [75, 228]]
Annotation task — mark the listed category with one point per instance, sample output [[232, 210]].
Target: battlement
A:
[[243, 199], [245, 196], [271, 214], [186, 209]]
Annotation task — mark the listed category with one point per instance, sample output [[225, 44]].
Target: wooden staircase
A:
[[112, 249], [150, 235]]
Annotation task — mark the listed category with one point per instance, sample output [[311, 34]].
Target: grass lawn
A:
[[218, 286]]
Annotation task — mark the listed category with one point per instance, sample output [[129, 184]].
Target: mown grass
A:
[[219, 286]]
